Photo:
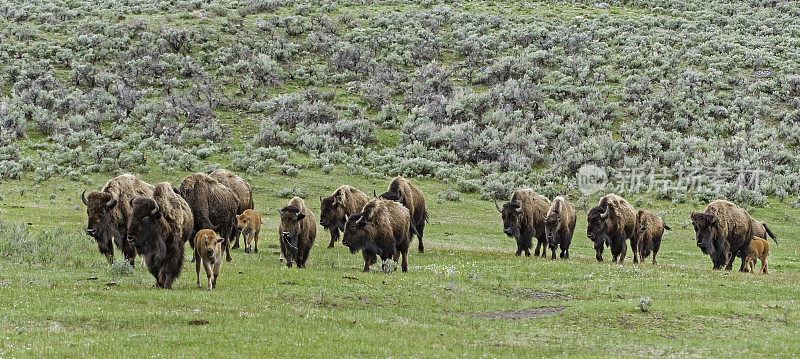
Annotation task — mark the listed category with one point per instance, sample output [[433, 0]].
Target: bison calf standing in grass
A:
[[109, 211], [382, 229], [724, 231], [523, 218], [335, 209], [208, 253], [610, 223], [158, 229], [759, 249], [296, 232], [249, 223], [401, 190], [241, 189], [648, 231], [559, 225]]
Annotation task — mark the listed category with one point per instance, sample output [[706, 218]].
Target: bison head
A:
[[101, 226], [358, 234], [596, 229], [144, 232], [551, 226], [332, 213], [511, 213], [290, 228], [392, 196], [705, 228]]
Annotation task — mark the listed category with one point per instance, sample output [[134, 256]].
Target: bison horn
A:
[[496, 206], [320, 198], [155, 210], [112, 201], [604, 214], [280, 212], [83, 198]]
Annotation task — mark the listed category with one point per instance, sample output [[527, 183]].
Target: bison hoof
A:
[[330, 245], [235, 246]]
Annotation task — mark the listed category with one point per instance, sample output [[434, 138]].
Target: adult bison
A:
[[296, 232], [648, 232], [382, 229], [523, 219], [724, 231], [241, 189], [610, 223], [401, 190], [158, 228], [109, 211], [559, 225], [213, 205], [334, 209]]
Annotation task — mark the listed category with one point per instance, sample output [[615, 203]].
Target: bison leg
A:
[[197, 269], [405, 261], [235, 235], [420, 231], [209, 274], [255, 240], [334, 236], [764, 269], [519, 251], [227, 250], [535, 252]]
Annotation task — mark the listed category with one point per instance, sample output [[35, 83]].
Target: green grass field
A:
[[447, 305]]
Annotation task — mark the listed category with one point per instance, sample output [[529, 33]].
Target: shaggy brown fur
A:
[[523, 219], [759, 249], [176, 210], [242, 190], [401, 190], [208, 253], [213, 206], [610, 223], [109, 211], [334, 210], [296, 232], [158, 239], [249, 223], [382, 229], [648, 232], [723, 232], [559, 225]]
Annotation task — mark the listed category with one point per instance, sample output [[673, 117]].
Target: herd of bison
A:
[[212, 211]]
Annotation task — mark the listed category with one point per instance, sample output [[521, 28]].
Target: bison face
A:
[[331, 214], [290, 227], [596, 230], [101, 226], [705, 228], [551, 226], [355, 232], [511, 214], [143, 226], [392, 196]]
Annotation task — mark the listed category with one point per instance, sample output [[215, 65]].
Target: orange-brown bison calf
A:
[[759, 249], [249, 223], [208, 253]]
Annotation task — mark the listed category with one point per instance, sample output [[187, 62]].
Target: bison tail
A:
[[667, 227], [772, 235]]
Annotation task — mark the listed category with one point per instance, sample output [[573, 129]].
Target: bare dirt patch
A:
[[521, 313], [533, 294]]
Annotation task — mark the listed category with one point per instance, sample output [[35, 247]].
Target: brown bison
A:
[[296, 232], [724, 231], [523, 219], [249, 223], [208, 253], [401, 190], [383, 229], [243, 192], [559, 225], [109, 211], [610, 223], [759, 249], [158, 229], [213, 205], [648, 232], [334, 209]]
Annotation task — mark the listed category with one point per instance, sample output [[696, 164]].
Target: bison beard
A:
[[153, 237]]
